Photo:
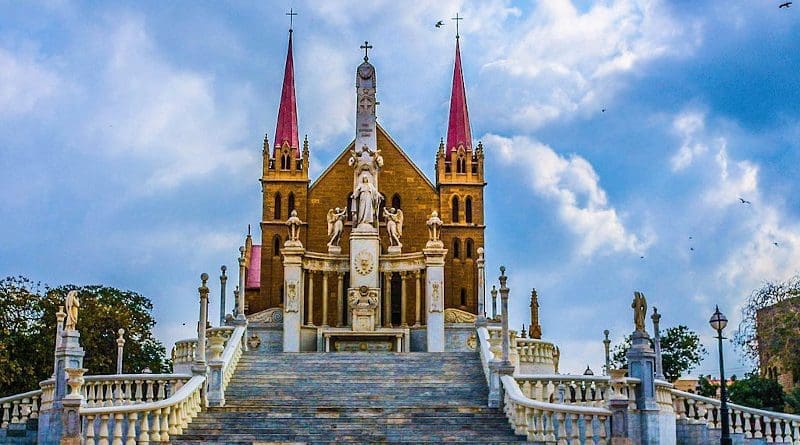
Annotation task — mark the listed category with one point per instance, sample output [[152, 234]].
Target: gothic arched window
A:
[[276, 245], [285, 159], [455, 209], [396, 201], [468, 210], [468, 247], [277, 207], [461, 162], [456, 248], [290, 205]]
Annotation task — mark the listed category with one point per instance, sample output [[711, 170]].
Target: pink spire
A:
[[458, 131], [287, 113]]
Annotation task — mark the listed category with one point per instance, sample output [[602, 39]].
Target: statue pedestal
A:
[[362, 296], [69, 354], [363, 304], [434, 294], [334, 250], [293, 292], [641, 365], [394, 250]]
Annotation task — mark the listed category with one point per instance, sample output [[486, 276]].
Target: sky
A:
[[619, 137]]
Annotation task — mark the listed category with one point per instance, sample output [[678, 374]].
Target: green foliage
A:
[[756, 392], [27, 325], [792, 399], [681, 351], [778, 337], [705, 388]]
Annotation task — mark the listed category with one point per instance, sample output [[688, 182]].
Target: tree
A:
[[792, 399], [756, 392], [705, 388], [27, 325], [681, 351], [777, 334]]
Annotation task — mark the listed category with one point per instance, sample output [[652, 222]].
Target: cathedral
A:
[[329, 211]]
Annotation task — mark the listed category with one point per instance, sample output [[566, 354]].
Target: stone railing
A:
[[552, 423], [183, 355], [126, 389], [143, 423], [225, 349], [535, 355], [20, 407], [576, 389], [753, 423]]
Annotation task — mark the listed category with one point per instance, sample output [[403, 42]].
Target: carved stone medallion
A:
[[436, 296], [364, 262], [292, 298]]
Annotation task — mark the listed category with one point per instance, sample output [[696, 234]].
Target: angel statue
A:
[[394, 225], [434, 226], [366, 200], [639, 306], [73, 303], [335, 226], [294, 224]]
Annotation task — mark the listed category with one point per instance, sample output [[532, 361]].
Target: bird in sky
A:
[[690, 237], [785, 5], [692, 249], [603, 110], [744, 201], [775, 243], [439, 24]]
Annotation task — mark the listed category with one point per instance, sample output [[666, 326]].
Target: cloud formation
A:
[[25, 83]]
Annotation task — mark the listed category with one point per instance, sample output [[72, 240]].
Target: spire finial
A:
[[291, 15], [457, 19], [366, 47]]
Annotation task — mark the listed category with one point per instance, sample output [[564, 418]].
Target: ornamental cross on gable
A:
[[366, 47]]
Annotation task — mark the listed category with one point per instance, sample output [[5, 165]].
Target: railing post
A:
[[216, 340], [503, 366], [199, 366], [641, 362], [481, 264], [223, 281], [120, 346]]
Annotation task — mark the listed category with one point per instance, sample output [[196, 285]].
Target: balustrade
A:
[[20, 407], [126, 389], [184, 351]]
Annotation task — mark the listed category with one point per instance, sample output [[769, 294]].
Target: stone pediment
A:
[[453, 315]]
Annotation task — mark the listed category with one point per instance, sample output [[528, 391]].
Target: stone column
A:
[[494, 303], [310, 298], [223, 280], [199, 366], [434, 294], [481, 264], [339, 299], [293, 289], [418, 300], [71, 405], [60, 316], [387, 299], [325, 298], [403, 299], [499, 368], [120, 346], [240, 317], [607, 348], [656, 317], [504, 304], [641, 365], [217, 337]]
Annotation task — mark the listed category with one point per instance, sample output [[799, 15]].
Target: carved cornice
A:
[[452, 315]]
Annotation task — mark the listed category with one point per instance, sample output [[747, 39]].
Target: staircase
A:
[[354, 398]]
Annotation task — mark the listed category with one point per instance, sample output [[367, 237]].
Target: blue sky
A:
[[131, 134]]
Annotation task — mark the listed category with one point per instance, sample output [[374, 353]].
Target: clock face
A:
[[365, 71]]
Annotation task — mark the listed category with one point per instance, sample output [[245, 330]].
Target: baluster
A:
[[24, 410], [130, 436], [539, 391], [165, 424], [161, 389], [15, 411], [103, 430], [118, 418], [128, 391], [787, 431], [35, 407], [144, 429], [526, 388], [109, 396], [173, 421], [155, 425], [561, 423], [179, 410], [768, 430], [602, 433], [549, 436], [588, 426], [757, 427], [6, 412], [149, 384], [736, 421], [748, 425], [533, 424], [796, 432], [138, 390], [90, 430], [550, 389], [700, 407], [574, 430]]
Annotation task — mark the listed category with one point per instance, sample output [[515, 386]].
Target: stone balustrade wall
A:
[[577, 390], [19, 408], [126, 389]]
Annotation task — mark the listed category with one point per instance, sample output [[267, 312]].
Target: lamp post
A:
[[718, 323], [606, 346]]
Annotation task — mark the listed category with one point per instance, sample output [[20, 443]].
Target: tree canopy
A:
[[756, 392], [681, 351], [28, 329]]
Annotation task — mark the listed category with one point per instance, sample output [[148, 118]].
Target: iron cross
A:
[[457, 19], [291, 15], [366, 47]]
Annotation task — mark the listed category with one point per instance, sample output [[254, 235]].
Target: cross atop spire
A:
[[458, 129], [291, 15], [286, 130], [366, 47], [457, 19]]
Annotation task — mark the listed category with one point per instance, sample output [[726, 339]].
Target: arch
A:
[[290, 203], [276, 245], [461, 162], [456, 248], [455, 209], [396, 202], [285, 159], [277, 206], [468, 247], [463, 297], [468, 209]]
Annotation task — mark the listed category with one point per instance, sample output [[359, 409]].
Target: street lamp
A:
[[718, 323]]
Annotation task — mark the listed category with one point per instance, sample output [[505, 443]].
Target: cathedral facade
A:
[[406, 199]]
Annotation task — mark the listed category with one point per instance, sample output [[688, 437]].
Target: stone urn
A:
[[617, 382], [216, 342], [75, 382]]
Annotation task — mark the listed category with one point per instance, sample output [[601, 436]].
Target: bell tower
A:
[[460, 183], [284, 187]]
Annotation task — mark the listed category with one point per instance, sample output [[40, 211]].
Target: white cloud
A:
[[170, 119], [25, 83], [574, 186]]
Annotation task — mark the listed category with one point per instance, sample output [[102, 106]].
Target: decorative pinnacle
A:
[[503, 278], [494, 290], [203, 289], [457, 19], [204, 278], [605, 333], [223, 269], [366, 47], [291, 15], [266, 143]]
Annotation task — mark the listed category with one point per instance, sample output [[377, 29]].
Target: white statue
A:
[[366, 200], [73, 304], [294, 224], [335, 226], [434, 226], [394, 225]]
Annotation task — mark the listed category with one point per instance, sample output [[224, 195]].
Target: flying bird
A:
[[690, 237], [439, 24], [692, 249], [775, 243], [603, 110], [744, 201], [785, 5]]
